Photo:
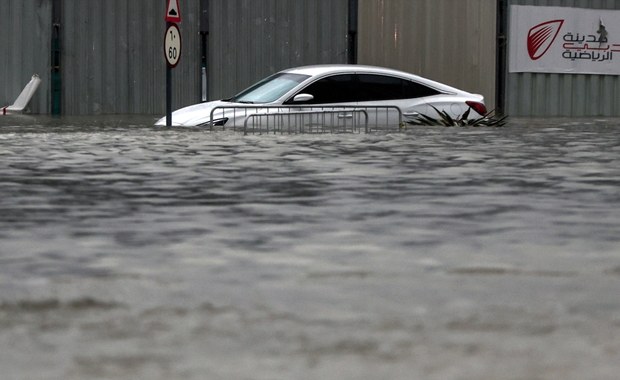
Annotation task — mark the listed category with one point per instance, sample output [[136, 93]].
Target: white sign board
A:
[[564, 40], [172, 45]]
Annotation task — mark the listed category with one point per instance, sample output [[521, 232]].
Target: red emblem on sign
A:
[[541, 37]]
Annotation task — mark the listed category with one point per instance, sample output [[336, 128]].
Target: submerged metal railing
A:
[[341, 121], [255, 119]]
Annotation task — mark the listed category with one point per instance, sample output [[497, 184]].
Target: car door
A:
[[332, 104]]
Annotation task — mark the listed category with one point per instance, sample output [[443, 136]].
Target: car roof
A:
[[342, 68]]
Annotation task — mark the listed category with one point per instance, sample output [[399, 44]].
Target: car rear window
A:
[[383, 87]]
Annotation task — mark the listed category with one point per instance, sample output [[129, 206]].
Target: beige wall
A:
[[451, 41]]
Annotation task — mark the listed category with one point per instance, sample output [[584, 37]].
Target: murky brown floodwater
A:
[[131, 252]]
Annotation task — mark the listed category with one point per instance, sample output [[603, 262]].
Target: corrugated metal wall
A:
[[531, 94], [250, 39], [24, 27], [113, 58], [451, 41]]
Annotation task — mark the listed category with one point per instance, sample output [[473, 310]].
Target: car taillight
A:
[[477, 106]]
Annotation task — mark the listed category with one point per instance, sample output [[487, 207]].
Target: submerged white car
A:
[[353, 86]]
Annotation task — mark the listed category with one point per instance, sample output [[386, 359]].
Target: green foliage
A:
[[445, 120]]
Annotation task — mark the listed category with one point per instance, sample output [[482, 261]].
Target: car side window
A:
[[332, 89], [373, 87]]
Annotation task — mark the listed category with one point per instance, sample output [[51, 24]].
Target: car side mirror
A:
[[301, 98]]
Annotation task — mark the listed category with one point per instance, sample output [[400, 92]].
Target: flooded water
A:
[[132, 252]]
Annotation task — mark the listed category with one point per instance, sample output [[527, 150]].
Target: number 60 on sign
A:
[[172, 45]]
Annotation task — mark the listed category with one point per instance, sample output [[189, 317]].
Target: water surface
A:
[[128, 251]]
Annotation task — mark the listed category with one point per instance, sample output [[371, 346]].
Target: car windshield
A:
[[270, 89]]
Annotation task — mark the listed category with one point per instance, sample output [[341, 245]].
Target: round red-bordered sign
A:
[[172, 45]]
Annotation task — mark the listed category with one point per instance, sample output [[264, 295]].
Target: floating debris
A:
[[491, 119]]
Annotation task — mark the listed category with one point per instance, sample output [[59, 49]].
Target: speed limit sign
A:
[[172, 45]]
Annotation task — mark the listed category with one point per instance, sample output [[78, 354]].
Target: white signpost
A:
[[172, 50], [172, 45]]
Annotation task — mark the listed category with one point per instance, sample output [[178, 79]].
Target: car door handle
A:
[[410, 114]]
